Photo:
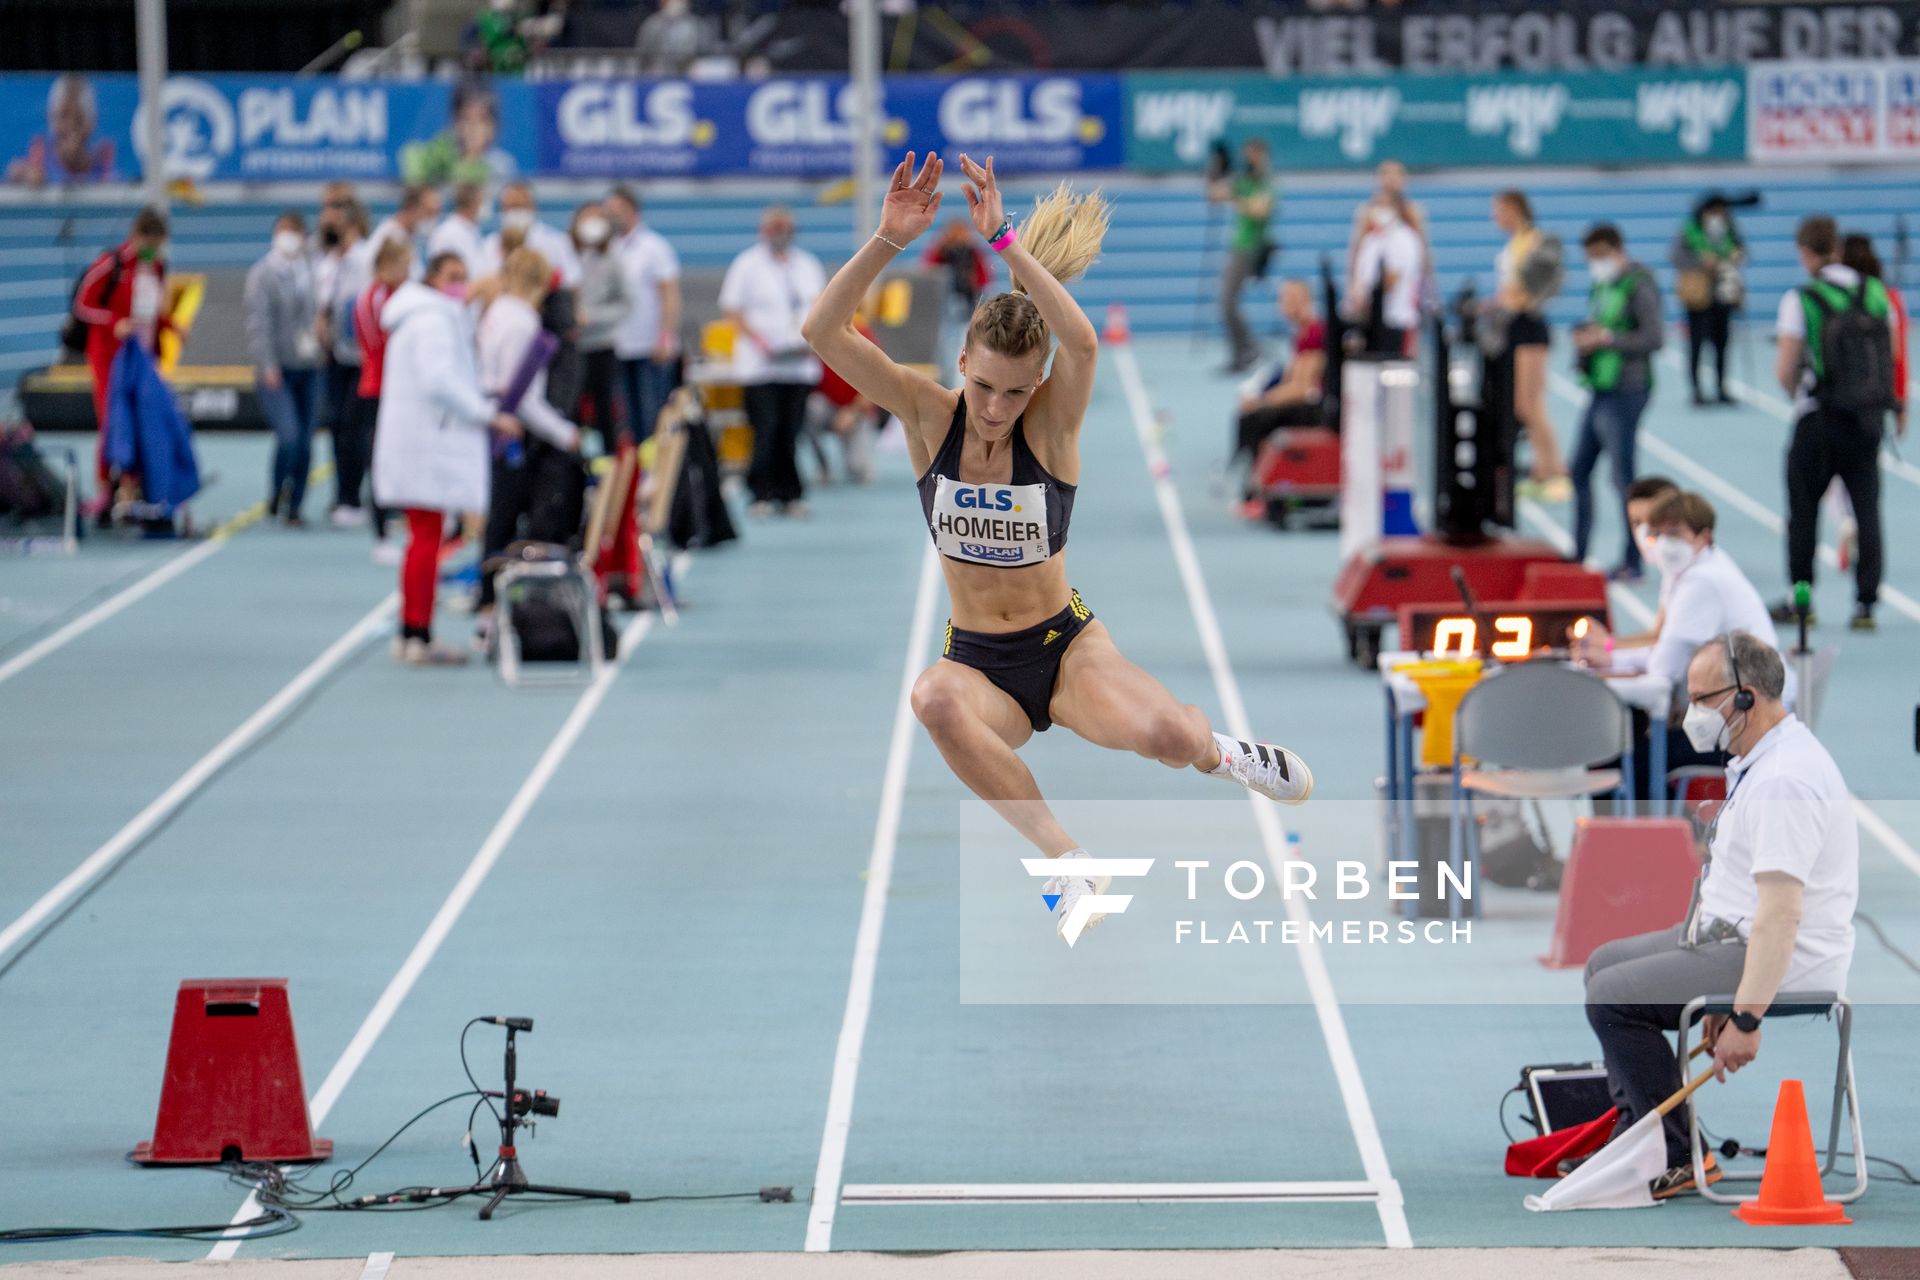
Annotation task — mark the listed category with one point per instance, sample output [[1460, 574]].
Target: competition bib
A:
[[996, 524]]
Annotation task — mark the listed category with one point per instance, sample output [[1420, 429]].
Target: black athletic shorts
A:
[[1022, 663]]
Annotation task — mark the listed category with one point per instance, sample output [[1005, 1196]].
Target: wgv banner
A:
[[1613, 118], [58, 130], [1814, 111]]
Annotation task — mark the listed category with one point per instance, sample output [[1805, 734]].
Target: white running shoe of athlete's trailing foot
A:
[[1273, 771], [1071, 890]]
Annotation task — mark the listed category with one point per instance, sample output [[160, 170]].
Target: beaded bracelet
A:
[[890, 244]]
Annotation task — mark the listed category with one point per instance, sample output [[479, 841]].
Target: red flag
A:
[[1540, 1157]]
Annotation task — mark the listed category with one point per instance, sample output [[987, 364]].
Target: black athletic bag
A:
[[1856, 360], [29, 489], [73, 330]]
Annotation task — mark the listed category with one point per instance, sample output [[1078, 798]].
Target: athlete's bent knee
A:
[[1172, 735], [939, 702]]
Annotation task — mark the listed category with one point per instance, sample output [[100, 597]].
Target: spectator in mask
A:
[[519, 212], [352, 433], [282, 340], [1390, 192], [1707, 257], [392, 267], [646, 342], [432, 454], [601, 305], [459, 231], [1616, 346], [1383, 293], [122, 295], [419, 210], [766, 295]]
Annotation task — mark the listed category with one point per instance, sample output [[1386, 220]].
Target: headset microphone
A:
[[1742, 698]]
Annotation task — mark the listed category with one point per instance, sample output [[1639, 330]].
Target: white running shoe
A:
[[1066, 891], [389, 551], [348, 517], [1273, 771], [415, 652]]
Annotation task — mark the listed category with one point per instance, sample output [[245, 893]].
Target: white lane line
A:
[[1107, 1193], [873, 913], [108, 855], [167, 572], [456, 902], [1353, 1091], [1746, 503], [1873, 822], [378, 1264]]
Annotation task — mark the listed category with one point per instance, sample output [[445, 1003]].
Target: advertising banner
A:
[[1575, 119], [1824, 111]]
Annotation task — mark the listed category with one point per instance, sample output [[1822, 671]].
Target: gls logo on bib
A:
[[997, 524]]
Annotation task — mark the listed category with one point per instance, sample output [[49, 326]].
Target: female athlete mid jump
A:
[[999, 461]]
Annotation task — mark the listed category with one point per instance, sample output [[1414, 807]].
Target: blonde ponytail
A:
[[1064, 232]]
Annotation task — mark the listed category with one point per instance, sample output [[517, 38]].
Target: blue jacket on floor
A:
[[147, 434]]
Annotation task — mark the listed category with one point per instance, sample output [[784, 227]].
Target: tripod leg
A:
[[499, 1193], [540, 1189]]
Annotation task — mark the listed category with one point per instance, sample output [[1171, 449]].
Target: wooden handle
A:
[[1685, 1093]]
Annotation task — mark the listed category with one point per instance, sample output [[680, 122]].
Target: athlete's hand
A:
[[983, 197], [911, 200]]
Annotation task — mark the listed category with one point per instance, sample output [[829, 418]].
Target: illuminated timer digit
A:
[[1518, 631], [1448, 630]]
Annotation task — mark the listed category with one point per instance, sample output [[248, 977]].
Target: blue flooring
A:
[[678, 908]]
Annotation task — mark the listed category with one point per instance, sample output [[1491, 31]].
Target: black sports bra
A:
[[1007, 526]]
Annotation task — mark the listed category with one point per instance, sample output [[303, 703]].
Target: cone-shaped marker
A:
[[1790, 1192]]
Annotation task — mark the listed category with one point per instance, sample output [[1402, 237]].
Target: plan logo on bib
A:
[[1088, 905]]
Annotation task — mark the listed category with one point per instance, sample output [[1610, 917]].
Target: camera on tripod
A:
[[529, 1102]]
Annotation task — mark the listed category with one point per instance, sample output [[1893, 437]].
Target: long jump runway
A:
[[672, 875]]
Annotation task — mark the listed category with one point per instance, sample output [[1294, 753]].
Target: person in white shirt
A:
[[1828, 441], [1390, 191], [519, 212], [1383, 290], [1772, 911], [419, 210], [766, 295], [646, 342], [459, 231]]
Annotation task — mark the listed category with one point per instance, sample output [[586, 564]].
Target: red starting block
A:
[[233, 1088], [1624, 876]]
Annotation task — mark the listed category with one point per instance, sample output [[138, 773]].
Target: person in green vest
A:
[[1616, 345], [1834, 356], [1250, 192], [1707, 257]]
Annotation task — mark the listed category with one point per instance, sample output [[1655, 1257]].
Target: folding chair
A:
[[1535, 730], [1846, 1096], [552, 576]]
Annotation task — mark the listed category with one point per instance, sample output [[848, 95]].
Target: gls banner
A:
[[803, 126], [1586, 119], [1830, 111]]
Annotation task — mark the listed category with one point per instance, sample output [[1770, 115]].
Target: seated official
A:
[[1289, 398], [1772, 910], [1709, 597]]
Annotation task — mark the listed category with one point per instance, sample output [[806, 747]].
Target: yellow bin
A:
[[1444, 682]]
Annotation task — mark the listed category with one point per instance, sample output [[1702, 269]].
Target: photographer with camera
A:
[[1708, 255], [1249, 251]]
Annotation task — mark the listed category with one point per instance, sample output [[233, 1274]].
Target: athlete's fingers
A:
[[972, 170], [933, 205], [928, 171], [900, 172], [973, 196], [992, 183]]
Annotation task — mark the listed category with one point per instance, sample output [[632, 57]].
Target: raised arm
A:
[[909, 207], [1069, 387]]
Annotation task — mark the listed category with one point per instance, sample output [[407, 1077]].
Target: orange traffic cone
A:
[[1118, 330], [1790, 1191]]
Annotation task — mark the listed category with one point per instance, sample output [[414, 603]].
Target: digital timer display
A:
[[1509, 632]]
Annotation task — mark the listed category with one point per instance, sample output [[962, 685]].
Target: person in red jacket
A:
[[122, 295], [392, 266]]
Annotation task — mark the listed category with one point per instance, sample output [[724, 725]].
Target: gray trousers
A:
[[1636, 990], [1233, 277]]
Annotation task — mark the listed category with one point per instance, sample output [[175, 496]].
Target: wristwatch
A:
[[1746, 1022]]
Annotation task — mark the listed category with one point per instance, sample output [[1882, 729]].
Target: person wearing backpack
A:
[[123, 294], [1616, 345], [1835, 357]]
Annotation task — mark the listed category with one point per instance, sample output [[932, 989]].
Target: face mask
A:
[[1706, 728], [517, 219], [288, 244], [1604, 270], [457, 290], [1714, 225], [1643, 538], [594, 230], [1672, 554], [781, 241]]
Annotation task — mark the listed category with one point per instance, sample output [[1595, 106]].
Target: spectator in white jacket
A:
[[537, 483], [431, 448]]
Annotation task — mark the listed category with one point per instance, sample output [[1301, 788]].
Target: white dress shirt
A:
[[649, 262], [457, 234], [1394, 250]]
